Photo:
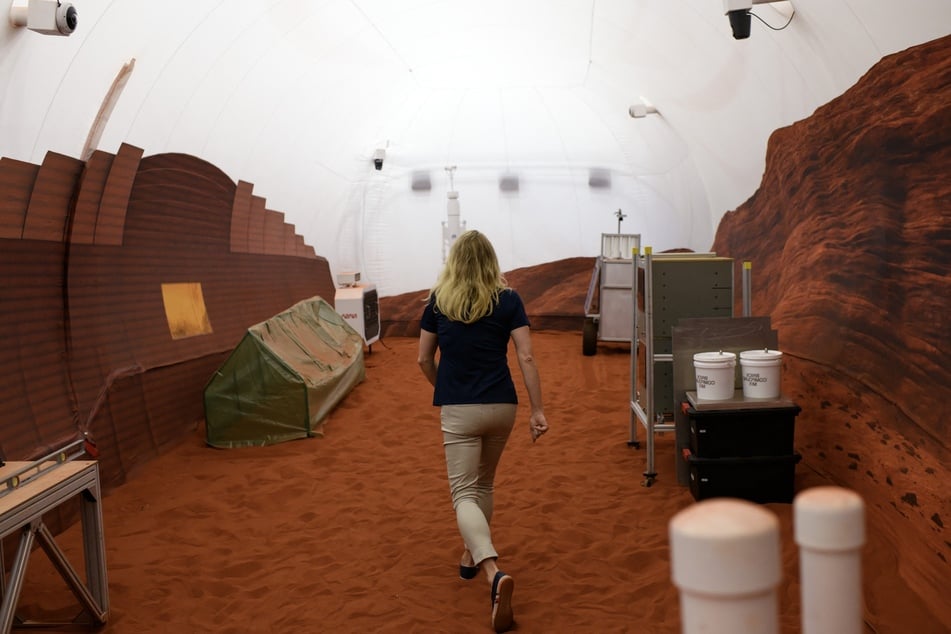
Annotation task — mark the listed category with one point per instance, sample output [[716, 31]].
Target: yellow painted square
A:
[[185, 310]]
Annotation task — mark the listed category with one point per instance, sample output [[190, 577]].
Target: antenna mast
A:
[[620, 216]]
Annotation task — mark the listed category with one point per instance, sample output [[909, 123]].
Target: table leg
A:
[[17, 573]]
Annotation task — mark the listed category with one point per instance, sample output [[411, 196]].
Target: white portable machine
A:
[[359, 305]]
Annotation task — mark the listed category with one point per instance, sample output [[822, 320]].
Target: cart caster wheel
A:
[[647, 482], [634, 443], [589, 337]]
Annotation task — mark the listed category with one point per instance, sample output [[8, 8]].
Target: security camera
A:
[[738, 12], [67, 18], [740, 23], [378, 157], [50, 17]]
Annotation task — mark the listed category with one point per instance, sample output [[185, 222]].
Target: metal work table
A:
[[28, 490]]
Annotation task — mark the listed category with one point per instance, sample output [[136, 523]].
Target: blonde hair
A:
[[469, 285]]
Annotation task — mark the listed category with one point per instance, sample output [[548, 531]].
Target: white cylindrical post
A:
[[725, 559], [829, 526]]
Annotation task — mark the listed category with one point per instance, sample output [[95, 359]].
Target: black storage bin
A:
[[756, 478], [737, 433]]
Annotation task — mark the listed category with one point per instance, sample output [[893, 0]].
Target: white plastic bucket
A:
[[762, 373], [715, 372]]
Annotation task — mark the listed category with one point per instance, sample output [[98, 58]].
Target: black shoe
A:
[[502, 588]]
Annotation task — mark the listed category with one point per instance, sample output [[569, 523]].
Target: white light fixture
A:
[[599, 178], [641, 109], [508, 182], [49, 17], [420, 181]]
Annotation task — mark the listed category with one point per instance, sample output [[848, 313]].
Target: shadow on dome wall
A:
[[127, 282]]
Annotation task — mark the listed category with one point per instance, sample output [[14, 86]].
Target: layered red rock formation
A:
[[554, 296], [850, 235], [87, 253]]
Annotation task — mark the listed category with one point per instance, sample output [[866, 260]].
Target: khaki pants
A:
[[474, 437]]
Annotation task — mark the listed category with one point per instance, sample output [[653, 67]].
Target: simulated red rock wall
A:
[[850, 239], [854, 208], [85, 248], [554, 296]]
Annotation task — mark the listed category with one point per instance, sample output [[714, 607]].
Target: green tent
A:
[[283, 378]]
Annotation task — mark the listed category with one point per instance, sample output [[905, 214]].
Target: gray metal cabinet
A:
[[667, 288]]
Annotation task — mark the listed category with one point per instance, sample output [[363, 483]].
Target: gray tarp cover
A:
[[283, 378]]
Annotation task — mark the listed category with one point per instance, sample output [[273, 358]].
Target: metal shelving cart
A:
[[668, 287], [608, 318]]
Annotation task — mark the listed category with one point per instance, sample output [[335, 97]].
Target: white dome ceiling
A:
[[295, 96]]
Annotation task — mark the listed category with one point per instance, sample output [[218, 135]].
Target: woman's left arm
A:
[[526, 362]]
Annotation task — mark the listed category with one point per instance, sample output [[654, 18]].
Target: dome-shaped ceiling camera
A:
[[49, 17], [67, 18], [739, 13]]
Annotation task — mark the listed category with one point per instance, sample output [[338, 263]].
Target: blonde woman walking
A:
[[470, 315]]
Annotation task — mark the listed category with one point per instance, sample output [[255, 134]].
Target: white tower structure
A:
[[453, 225]]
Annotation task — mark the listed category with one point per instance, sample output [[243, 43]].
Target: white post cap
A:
[[725, 547], [829, 518]]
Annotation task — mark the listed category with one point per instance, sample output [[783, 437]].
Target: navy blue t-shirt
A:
[[473, 367]]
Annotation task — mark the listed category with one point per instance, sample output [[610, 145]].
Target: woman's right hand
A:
[[538, 425]]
